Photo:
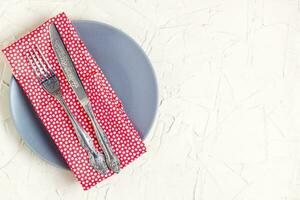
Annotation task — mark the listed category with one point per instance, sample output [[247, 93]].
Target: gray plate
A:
[[126, 67]]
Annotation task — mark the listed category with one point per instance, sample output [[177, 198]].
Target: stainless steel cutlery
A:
[[46, 76], [70, 72]]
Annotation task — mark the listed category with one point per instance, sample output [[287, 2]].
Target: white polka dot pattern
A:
[[108, 108]]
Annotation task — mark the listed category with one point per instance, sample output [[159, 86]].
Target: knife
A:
[[70, 72]]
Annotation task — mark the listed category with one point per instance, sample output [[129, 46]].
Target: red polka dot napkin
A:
[[108, 108]]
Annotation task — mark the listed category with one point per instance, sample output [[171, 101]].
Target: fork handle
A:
[[111, 158], [97, 159]]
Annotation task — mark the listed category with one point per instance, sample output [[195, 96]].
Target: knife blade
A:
[[67, 65], [70, 72]]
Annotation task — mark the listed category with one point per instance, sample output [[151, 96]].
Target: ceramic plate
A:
[[126, 67]]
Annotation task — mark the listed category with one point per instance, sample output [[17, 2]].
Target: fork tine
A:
[[37, 65], [45, 60], [41, 62], [34, 69]]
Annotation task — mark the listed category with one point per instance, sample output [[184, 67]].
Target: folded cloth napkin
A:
[[107, 107]]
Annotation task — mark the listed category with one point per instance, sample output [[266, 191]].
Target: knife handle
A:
[[97, 159], [111, 158]]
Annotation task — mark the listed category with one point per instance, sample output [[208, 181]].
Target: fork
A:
[[46, 76]]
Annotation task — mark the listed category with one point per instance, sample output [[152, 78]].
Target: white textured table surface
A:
[[228, 125]]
